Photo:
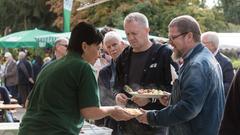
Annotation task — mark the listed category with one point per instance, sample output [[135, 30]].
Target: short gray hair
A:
[[211, 37], [138, 17], [61, 39], [111, 35], [21, 55]]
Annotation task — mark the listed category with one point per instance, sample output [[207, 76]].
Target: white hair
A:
[[211, 37], [8, 55], [21, 55], [111, 35], [138, 17], [61, 39]]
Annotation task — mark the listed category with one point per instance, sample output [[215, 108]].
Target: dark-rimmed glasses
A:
[[171, 38]]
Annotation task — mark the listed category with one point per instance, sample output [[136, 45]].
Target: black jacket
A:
[[230, 124], [153, 77], [227, 70], [24, 72], [105, 82], [4, 95]]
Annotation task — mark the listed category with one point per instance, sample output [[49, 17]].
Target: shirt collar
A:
[[190, 52]]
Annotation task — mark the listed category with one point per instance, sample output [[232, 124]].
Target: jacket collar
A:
[[193, 52]]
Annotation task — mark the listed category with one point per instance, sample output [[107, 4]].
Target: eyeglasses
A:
[[206, 43], [65, 45], [171, 38]]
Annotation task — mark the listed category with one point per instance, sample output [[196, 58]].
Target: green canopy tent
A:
[[49, 39], [23, 39]]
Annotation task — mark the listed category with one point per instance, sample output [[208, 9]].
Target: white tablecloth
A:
[[88, 129]]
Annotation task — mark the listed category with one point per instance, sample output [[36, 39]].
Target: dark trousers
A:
[[133, 127], [23, 91], [110, 123], [13, 91]]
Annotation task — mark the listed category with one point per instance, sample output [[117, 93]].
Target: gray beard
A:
[[176, 56]]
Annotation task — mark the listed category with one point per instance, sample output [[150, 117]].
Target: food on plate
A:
[[150, 92], [146, 93], [133, 111]]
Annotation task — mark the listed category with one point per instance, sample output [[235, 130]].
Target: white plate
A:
[[135, 94]]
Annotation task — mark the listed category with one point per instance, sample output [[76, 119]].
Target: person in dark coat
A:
[[142, 65], [230, 124], [196, 103], [4, 95], [211, 41], [5, 115], [37, 66], [114, 47], [10, 75], [25, 77]]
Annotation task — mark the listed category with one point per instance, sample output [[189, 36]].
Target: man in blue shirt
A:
[[197, 99]]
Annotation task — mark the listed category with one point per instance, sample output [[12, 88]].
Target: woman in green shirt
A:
[[66, 90]]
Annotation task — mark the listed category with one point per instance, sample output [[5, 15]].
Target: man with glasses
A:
[[211, 41], [197, 99], [61, 45], [60, 49]]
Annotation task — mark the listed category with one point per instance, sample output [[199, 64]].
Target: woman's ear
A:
[[84, 46]]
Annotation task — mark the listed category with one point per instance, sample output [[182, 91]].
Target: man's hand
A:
[[140, 101], [121, 99], [164, 100], [31, 80], [143, 118], [120, 115]]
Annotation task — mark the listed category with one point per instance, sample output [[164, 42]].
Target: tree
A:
[[159, 13], [231, 10], [25, 14]]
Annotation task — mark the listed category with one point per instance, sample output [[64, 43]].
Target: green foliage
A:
[[159, 13], [231, 10], [25, 14], [236, 63], [233, 27], [47, 14]]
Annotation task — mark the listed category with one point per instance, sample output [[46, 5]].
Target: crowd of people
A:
[[17, 76], [87, 76]]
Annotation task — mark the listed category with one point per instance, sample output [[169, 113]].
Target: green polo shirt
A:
[[61, 90]]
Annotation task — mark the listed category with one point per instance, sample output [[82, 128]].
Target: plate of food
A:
[[149, 93], [133, 111]]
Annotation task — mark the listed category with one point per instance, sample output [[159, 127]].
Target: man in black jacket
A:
[[141, 65], [25, 77], [211, 41]]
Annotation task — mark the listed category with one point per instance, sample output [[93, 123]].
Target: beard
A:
[[176, 56]]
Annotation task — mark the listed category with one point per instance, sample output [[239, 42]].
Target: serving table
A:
[[88, 129]]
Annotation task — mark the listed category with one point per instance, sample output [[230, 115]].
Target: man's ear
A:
[[190, 35], [147, 30]]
